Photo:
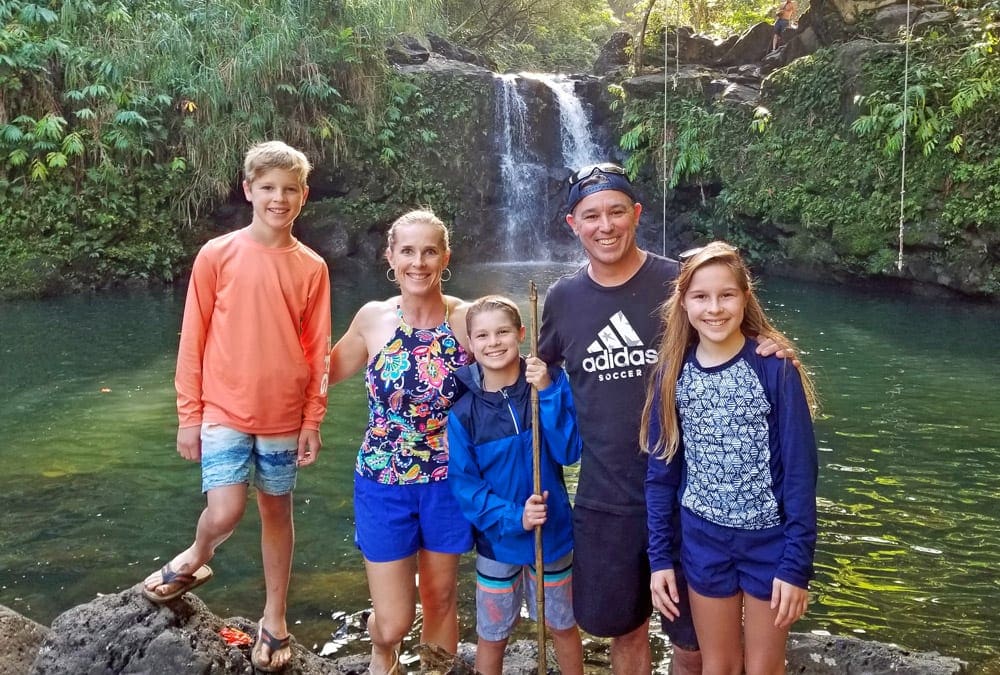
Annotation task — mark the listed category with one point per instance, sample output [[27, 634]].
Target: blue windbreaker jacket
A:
[[490, 464]]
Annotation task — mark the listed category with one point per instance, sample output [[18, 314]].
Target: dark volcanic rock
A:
[[830, 655], [125, 633], [614, 55], [21, 638]]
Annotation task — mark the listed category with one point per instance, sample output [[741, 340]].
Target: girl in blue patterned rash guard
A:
[[730, 441]]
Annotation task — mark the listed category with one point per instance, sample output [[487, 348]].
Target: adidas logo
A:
[[618, 352]]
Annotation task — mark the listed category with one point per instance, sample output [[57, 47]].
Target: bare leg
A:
[[489, 656], [765, 644], [392, 586], [718, 623], [569, 650], [224, 509], [630, 652], [277, 540], [439, 598], [685, 662]]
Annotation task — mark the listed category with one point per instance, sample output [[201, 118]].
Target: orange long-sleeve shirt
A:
[[254, 352]]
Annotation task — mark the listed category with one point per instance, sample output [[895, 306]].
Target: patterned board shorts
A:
[[502, 590], [227, 456]]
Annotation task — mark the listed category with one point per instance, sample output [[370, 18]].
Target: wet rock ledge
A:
[[124, 633]]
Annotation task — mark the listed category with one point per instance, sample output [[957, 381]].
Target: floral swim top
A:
[[411, 385]]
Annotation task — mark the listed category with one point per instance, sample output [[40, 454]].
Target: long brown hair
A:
[[679, 336]]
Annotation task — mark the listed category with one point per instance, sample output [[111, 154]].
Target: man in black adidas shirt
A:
[[602, 324]]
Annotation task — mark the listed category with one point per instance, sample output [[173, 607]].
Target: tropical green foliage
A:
[[705, 16], [951, 88], [551, 35], [98, 95], [798, 181]]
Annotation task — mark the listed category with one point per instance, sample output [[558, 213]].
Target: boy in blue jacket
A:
[[490, 472]]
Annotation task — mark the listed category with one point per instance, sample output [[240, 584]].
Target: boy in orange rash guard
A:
[[251, 381]]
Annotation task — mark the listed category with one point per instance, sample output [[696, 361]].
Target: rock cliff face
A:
[[459, 169], [125, 633]]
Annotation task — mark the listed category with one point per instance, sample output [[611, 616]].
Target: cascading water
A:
[[578, 147], [520, 205], [524, 210]]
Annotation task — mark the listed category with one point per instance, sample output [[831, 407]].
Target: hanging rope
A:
[[663, 146], [677, 41], [905, 129], [677, 70]]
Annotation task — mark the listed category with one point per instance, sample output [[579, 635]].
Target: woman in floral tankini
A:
[[408, 524]]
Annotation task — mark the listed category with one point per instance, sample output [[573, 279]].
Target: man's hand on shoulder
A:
[[767, 346]]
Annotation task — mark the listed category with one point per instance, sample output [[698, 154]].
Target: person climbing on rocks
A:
[[784, 18]]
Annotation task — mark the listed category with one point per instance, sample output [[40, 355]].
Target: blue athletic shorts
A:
[[502, 589], [393, 522], [721, 561], [227, 456]]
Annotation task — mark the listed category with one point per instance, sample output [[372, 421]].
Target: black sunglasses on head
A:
[[590, 170]]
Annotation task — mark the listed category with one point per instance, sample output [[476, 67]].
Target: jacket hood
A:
[[472, 378]]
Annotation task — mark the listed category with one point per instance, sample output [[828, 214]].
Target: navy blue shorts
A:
[[611, 594], [721, 561], [611, 570], [393, 522]]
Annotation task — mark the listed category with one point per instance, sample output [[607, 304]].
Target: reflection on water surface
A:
[[909, 467]]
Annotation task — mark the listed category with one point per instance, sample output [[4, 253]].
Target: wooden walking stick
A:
[[536, 456]]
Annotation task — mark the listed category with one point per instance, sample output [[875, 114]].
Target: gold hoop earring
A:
[[390, 274], [446, 278]]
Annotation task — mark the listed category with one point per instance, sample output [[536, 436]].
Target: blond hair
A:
[[490, 303], [270, 155], [679, 336], [418, 216]]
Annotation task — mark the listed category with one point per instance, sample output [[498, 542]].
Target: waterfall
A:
[[578, 147], [525, 210], [521, 205]]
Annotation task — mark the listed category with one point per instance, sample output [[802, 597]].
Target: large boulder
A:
[[892, 20], [126, 633], [614, 56], [851, 10], [751, 45], [450, 50], [406, 50], [21, 638], [830, 655]]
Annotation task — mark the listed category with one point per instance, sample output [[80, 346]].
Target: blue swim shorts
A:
[[393, 522], [721, 561], [227, 456], [502, 589]]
